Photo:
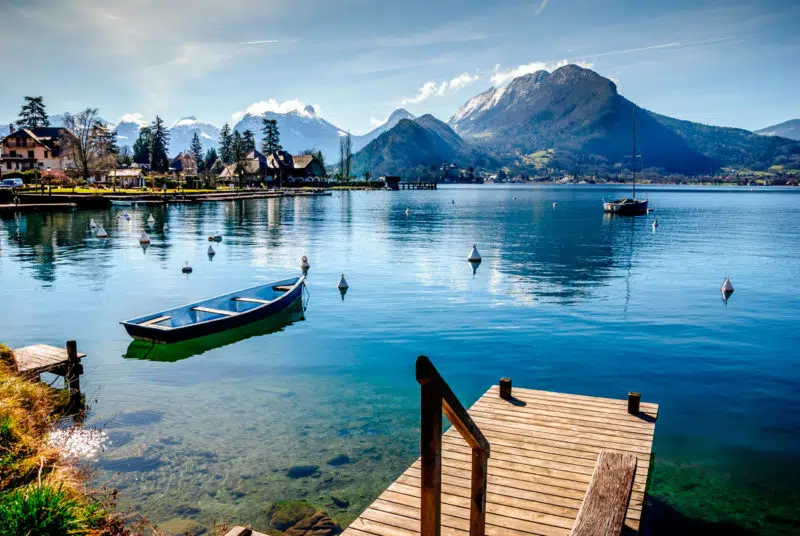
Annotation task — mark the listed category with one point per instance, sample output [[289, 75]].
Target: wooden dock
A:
[[38, 359], [37, 207], [544, 449], [417, 185]]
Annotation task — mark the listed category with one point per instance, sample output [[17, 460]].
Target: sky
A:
[[732, 63]]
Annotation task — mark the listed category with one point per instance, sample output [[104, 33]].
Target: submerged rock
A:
[[300, 471], [341, 459], [339, 499], [183, 527], [284, 514], [319, 524]]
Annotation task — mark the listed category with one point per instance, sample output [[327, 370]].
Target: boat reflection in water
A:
[[184, 350]]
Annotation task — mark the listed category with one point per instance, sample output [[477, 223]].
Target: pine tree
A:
[[272, 137], [217, 167], [141, 147], [249, 141], [196, 148], [159, 145], [225, 142], [239, 155], [211, 158], [33, 113]]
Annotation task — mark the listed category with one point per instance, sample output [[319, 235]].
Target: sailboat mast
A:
[[634, 152]]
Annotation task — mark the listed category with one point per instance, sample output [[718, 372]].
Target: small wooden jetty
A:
[[528, 463], [34, 360], [37, 207], [418, 185]]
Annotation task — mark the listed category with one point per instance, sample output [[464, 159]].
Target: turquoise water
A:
[[566, 299]]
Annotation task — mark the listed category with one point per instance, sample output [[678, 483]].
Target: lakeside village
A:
[[83, 156]]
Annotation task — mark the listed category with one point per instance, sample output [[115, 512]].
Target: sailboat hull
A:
[[626, 207]]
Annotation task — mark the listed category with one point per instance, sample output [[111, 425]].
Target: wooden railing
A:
[[437, 396]]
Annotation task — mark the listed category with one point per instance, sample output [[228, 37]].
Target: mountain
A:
[[578, 113], [734, 147], [299, 130], [128, 131], [410, 144], [183, 130], [788, 129], [359, 142]]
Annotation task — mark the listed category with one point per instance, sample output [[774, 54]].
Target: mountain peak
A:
[[397, 115]]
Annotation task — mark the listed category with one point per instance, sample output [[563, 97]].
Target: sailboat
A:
[[628, 206]]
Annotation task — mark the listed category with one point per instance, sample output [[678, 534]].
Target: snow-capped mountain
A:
[[128, 129], [300, 129], [184, 129], [359, 142]]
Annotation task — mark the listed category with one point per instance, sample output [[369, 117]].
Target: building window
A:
[[46, 155], [30, 154], [8, 165], [13, 154]]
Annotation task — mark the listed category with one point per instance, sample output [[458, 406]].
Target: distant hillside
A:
[[788, 129], [423, 142], [733, 146], [577, 112], [359, 142]]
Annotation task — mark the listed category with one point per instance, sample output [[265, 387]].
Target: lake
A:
[[324, 400]]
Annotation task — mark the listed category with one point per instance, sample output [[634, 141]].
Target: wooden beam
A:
[[215, 311], [634, 400], [431, 450], [603, 510]]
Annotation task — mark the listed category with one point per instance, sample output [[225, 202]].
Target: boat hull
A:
[[626, 207], [216, 323]]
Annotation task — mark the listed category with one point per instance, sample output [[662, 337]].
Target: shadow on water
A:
[[186, 349], [661, 519]]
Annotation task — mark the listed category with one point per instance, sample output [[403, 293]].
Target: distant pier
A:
[[417, 185]]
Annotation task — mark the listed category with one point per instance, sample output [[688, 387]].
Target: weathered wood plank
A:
[[214, 311], [603, 510]]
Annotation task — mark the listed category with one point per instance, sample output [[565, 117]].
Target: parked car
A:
[[11, 183]]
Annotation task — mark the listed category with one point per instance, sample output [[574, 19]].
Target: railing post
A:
[[431, 448], [477, 509]]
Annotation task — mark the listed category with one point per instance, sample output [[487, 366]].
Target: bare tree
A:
[[89, 144], [345, 156]]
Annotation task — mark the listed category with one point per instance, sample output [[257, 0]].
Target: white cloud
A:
[[500, 78], [263, 42], [542, 6], [431, 89], [272, 105], [133, 118]]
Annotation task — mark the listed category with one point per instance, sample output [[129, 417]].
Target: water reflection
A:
[[184, 350]]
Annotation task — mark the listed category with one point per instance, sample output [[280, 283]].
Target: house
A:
[[34, 148], [279, 163], [127, 178], [183, 164], [255, 167], [305, 165]]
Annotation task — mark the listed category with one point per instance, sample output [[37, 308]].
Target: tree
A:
[[249, 140], [159, 144], [141, 148], [125, 158], [210, 160], [317, 156], [89, 144], [345, 156], [239, 154], [272, 137], [33, 113], [225, 141], [196, 148]]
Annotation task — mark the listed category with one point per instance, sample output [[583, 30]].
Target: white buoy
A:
[[211, 251], [342, 283], [92, 223], [655, 224], [186, 268], [304, 263], [144, 239], [555, 205], [151, 220], [101, 233], [474, 256], [407, 211], [727, 286]]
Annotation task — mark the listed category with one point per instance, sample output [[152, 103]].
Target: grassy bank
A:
[[40, 492]]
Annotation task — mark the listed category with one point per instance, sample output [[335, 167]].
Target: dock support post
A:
[[633, 402], [477, 507], [74, 371], [505, 388], [431, 448]]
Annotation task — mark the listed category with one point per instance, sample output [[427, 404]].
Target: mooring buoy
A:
[[342, 283], [186, 268], [474, 256]]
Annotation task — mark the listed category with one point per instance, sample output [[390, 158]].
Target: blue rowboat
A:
[[217, 314]]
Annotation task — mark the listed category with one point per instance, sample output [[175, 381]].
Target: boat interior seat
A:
[[251, 300], [155, 321], [214, 311], [282, 288]]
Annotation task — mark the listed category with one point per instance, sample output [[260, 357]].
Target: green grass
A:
[[45, 510]]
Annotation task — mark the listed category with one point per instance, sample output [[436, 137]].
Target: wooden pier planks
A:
[[39, 358], [544, 447]]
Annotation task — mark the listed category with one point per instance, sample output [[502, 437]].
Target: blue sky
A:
[[734, 63]]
